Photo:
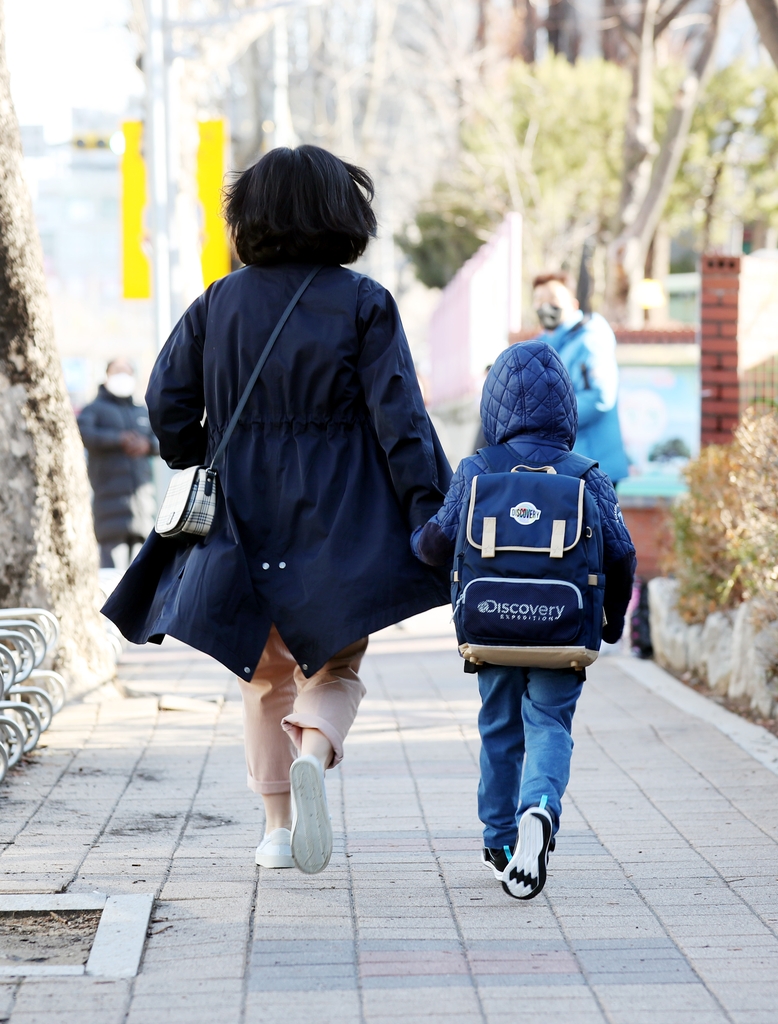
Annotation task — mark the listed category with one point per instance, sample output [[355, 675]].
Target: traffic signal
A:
[[91, 140], [136, 266], [215, 250]]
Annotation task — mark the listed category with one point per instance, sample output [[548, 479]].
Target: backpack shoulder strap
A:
[[573, 464], [500, 459]]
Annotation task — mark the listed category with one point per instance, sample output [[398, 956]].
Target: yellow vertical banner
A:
[[136, 268], [215, 251]]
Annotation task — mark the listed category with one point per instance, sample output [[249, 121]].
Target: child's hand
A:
[[612, 632]]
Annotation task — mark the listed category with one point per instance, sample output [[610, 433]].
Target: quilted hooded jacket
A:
[[528, 404]]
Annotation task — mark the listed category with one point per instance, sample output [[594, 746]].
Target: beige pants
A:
[[279, 702]]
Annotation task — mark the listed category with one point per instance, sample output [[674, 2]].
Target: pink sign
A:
[[478, 311]]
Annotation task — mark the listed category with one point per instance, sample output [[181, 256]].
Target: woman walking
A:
[[332, 465]]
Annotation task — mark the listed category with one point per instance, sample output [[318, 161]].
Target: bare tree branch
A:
[[631, 247], [663, 21], [676, 134], [765, 14]]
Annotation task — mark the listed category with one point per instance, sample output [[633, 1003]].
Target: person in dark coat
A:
[[331, 467], [118, 438]]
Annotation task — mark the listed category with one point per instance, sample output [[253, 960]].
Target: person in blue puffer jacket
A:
[[587, 347], [528, 404]]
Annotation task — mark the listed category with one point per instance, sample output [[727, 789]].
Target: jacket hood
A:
[[528, 391]]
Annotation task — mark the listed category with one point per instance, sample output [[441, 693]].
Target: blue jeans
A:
[[524, 712]]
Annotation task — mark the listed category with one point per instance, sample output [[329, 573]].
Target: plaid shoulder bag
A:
[[190, 502]]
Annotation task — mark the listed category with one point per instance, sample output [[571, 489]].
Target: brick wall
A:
[[719, 348], [672, 334], [649, 525]]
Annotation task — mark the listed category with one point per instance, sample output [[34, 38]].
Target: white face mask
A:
[[120, 384]]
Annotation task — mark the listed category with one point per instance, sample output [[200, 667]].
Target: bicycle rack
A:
[[30, 692]]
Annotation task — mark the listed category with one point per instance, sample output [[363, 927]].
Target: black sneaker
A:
[[525, 874], [496, 858]]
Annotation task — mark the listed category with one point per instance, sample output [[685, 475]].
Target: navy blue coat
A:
[[528, 405], [333, 463]]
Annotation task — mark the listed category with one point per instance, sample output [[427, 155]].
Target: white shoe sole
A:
[[274, 851], [525, 875], [311, 826], [273, 860]]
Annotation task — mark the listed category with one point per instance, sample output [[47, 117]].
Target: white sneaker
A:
[[311, 827], [525, 875], [275, 850]]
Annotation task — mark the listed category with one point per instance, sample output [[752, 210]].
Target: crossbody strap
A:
[[260, 363]]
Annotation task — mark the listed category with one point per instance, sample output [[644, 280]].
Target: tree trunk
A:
[[481, 26], [630, 248], [48, 553], [639, 145], [765, 14], [564, 33], [658, 268], [525, 31]]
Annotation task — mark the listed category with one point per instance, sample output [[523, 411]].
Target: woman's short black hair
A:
[[300, 205]]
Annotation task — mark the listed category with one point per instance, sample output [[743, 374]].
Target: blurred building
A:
[[76, 193]]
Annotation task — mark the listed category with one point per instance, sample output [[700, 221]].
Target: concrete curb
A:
[[118, 943], [755, 740]]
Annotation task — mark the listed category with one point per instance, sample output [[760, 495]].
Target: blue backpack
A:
[[527, 585]]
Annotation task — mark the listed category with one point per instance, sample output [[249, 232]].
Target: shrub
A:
[[705, 522], [725, 543]]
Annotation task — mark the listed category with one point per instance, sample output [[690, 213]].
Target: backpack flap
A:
[[528, 512]]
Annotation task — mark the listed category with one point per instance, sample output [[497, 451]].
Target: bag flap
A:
[[176, 497], [525, 512]]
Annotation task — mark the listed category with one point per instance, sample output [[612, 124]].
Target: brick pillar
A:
[[718, 348]]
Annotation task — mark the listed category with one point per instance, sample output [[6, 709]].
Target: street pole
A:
[[156, 140], [283, 134], [161, 159], [157, 147]]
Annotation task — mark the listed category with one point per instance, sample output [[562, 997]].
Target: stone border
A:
[[755, 740], [118, 942]]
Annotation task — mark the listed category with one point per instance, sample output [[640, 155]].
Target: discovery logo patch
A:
[[530, 612], [525, 513]]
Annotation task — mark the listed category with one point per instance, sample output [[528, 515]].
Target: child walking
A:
[[529, 412]]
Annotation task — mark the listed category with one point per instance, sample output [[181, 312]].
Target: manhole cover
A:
[[62, 938]]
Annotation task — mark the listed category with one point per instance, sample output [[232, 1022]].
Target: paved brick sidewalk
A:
[[661, 905]]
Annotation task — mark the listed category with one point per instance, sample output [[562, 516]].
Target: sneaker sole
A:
[[531, 852], [266, 860], [312, 829]]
